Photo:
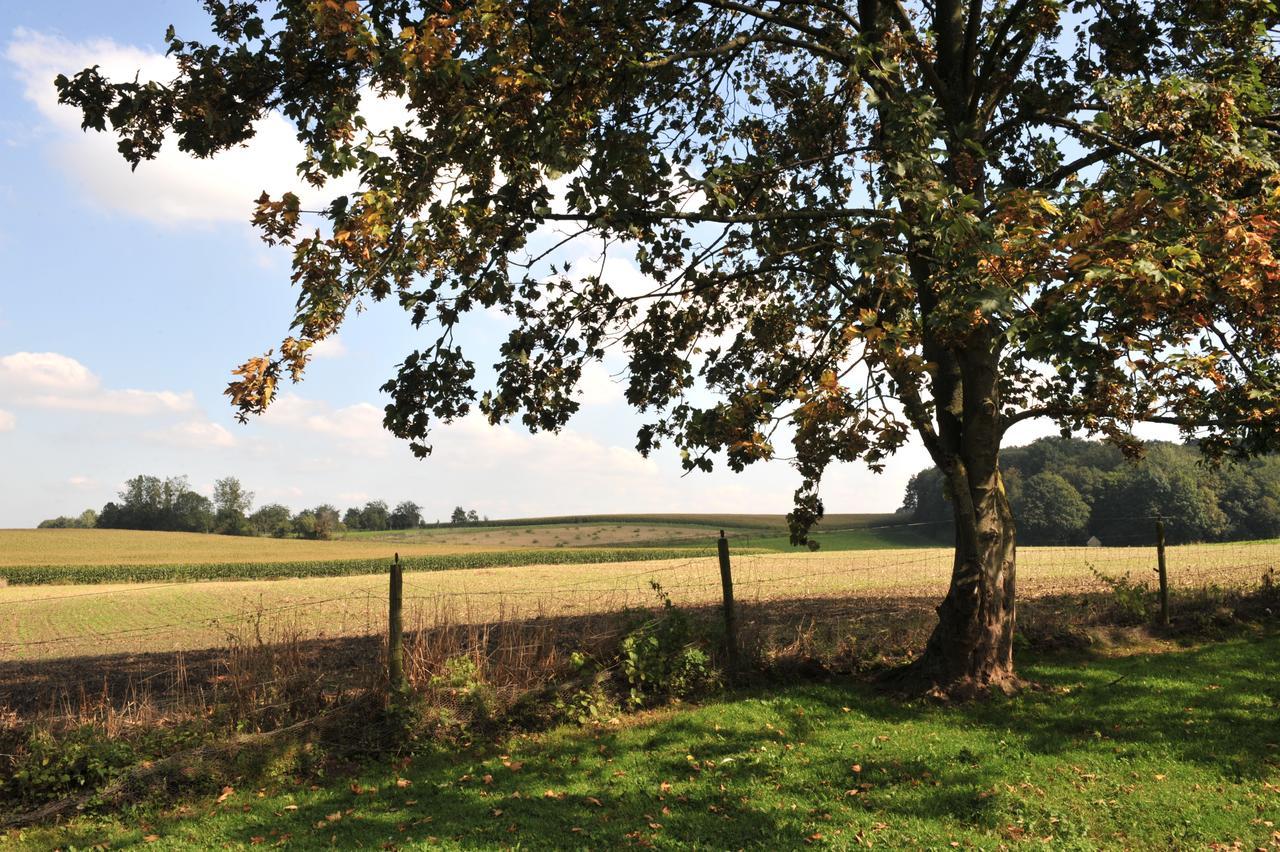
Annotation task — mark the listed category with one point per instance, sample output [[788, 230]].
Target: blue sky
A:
[[125, 299]]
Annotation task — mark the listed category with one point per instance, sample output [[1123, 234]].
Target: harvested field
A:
[[47, 622]]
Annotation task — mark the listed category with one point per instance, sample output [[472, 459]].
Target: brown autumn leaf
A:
[[403, 782], [227, 792], [151, 838], [594, 801]]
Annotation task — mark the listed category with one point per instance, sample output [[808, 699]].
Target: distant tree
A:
[[62, 522], [1169, 483], [88, 519], [406, 516], [273, 520], [459, 516], [304, 524], [327, 523], [473, 517], [1251, 498], [353, 519], [191, 512], [147, 503], [1050, 511], [375, 515], [232, 504]]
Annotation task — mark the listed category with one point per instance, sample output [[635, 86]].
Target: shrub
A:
[[1132, 599], [462, 694], [660, 659], [47, 768]]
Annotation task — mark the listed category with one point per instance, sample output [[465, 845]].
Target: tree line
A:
[[152, 503], [1065, 490]]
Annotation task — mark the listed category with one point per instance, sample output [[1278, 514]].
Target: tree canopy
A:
[[1063, 491], [857, 221]]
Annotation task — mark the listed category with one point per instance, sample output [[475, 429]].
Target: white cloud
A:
[[358, 427], [598, 387], [174, 187], [7, 421], [82, 482], [195, 434], [46, 371], [330, 347], [56, 381]]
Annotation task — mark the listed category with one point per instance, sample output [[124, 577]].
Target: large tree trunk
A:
[[970, 651]]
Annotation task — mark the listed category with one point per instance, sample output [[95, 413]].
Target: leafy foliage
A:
[[855, 222], [1065, 490], [660, 658]]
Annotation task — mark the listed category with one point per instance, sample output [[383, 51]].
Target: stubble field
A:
[[51, 621]]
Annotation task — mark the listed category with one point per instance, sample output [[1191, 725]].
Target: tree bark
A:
[[970, 652]]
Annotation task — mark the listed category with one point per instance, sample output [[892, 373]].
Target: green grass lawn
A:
[[1150, 751]]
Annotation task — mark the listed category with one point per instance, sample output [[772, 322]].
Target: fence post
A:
[[1162, 570], [730, 616], [395, 630]]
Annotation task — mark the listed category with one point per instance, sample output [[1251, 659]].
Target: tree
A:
[[473, 517], [1050, 511], [304, 524], [374, 515], [407, 516], [271, 519], [191, 512], [232, 504], [353, 519], [326, 523], [459, 516], [858, 222]]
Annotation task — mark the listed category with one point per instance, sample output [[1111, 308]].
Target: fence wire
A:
[[36, 624]]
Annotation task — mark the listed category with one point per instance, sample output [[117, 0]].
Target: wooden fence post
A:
[[730, 616], [1162, 570], [395, 631]]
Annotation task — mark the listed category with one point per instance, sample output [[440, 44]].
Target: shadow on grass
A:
[[812, 763]]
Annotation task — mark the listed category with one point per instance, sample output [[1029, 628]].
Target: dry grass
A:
[[62, 621]]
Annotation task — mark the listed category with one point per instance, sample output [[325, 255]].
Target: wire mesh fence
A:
[[53, 622]]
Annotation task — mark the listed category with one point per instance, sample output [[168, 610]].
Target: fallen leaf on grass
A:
[[227, 792], [403, 782], [151, 838]]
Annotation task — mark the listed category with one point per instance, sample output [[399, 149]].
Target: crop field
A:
[[43, 622], [104, 556]]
